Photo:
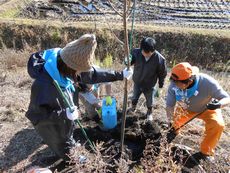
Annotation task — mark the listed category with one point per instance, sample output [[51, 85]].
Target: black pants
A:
[[57, 133], [149, 95]]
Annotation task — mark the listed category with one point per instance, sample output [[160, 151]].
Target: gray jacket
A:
[[147, 73]]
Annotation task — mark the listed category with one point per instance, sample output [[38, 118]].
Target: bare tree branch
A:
[[115, 9], [111, 30], [128, 12], [126, 47]]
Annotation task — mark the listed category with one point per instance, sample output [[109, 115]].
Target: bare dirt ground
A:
[[21, 147]]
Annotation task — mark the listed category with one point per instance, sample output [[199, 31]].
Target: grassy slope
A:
[[119, 26]]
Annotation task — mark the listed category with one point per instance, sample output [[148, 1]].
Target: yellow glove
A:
[[108, 100]]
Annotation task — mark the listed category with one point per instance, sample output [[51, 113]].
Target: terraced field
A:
[[211, 14]]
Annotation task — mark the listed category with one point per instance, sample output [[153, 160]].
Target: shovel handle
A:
[[191, 119]]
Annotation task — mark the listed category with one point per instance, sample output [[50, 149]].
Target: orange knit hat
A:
[[183, 71]]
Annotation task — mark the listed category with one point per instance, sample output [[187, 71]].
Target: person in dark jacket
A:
[[50, 117], [149, 68]]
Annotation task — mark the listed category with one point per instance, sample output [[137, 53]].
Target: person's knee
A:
[[218, 125], [60, 150], [218, 120]]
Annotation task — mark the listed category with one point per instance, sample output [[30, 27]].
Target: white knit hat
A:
[[79, 54]]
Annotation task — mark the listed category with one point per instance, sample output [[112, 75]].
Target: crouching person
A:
[[89, 95], [47, 111], [196, 93]]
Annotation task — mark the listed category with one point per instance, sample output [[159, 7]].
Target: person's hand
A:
[[82, 159], [171, 134], [72, 115], [213, 104], [128, 73], [108, 100]]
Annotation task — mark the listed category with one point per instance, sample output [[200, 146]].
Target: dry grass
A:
[[15, 83], [101, 26], [12, 59], [162, 162], [222, 77], [11, 8], [104, 160]]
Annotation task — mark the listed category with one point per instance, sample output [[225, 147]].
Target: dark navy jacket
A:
[[147, 73], [45, 101]]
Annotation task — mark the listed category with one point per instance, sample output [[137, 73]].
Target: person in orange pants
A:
[[190, 93], [214, 126]]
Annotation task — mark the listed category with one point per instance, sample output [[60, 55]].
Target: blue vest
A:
[[50, 57], [187, 93]]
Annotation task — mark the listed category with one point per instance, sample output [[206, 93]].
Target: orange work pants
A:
[[214, 126]]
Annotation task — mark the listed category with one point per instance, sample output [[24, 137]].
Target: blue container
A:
[[109, 114]]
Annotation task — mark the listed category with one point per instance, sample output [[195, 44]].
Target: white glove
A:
[[72, 115], [128, 73], [82, 159]]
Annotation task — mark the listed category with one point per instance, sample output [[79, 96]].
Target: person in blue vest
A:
[[89, 95], [193, 94], [50, 117], [149, 68]]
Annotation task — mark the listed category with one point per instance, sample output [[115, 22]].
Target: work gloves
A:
[[171, 134], [72, 115], [213, 104], [127, 73]]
